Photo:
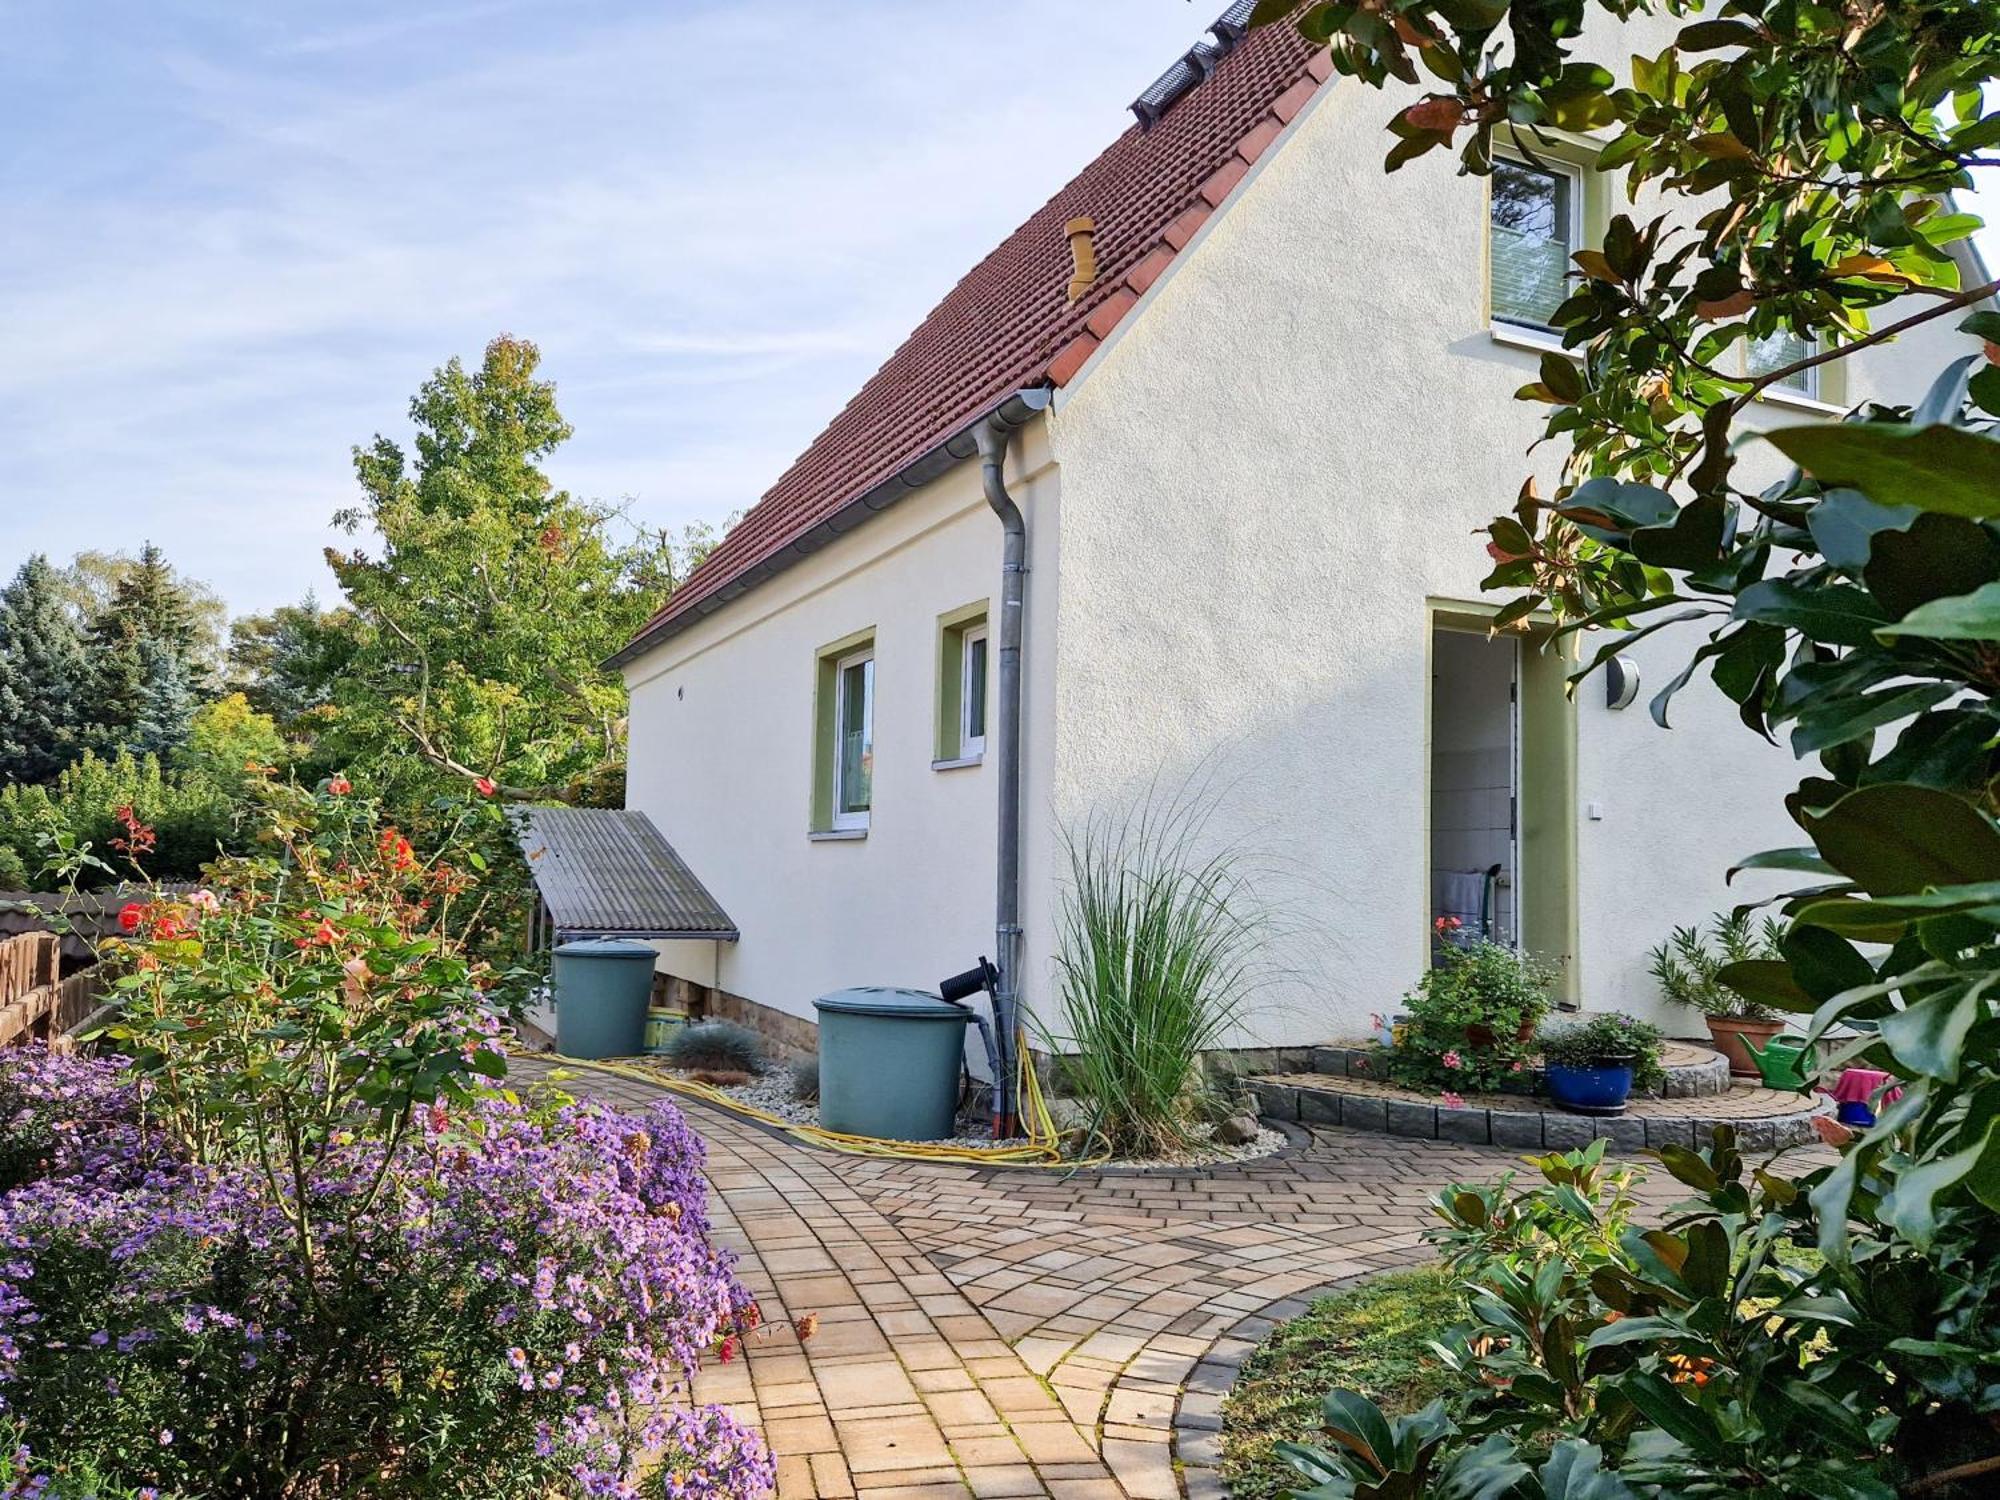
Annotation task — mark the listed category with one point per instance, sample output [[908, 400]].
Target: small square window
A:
[[854, 739], [1536, 225], [1764, 355], [972, 691], [962, 666]]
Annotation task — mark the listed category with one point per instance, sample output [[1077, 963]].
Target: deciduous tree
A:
[[491, 597]]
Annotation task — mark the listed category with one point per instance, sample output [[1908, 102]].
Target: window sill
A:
[[1514, 336], [1800, 401], [958, 762], [836, 835]]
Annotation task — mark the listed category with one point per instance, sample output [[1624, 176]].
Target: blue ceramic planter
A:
[[1600, 1090]]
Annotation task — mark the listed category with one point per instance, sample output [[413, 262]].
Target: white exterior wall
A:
[[1267, 472], [722, 737]]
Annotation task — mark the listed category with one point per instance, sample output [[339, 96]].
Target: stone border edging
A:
[[1708, 1078], [1521, 1129], [1197, 1425]]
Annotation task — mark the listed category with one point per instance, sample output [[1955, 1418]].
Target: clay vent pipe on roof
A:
[[1083, 251]]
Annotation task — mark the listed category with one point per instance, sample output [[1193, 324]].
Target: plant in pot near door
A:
[[1689, 965], [1472, 1019], [1592, 1065]]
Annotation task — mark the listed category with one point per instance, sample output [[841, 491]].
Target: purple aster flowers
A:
[[513, 1300]]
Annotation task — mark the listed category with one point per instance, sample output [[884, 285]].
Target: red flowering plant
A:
[[308, 993], [297, 1243], [1472, 1019]]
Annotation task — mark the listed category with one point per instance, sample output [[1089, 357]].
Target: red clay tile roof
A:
[[1008, 325]]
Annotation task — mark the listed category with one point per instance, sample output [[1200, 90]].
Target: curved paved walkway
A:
[[986, 1332]]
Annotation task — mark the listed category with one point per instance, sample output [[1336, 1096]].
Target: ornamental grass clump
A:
[[716, 1047], [1158, 951]]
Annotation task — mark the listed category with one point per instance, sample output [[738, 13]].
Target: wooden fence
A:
[[36, 1001]]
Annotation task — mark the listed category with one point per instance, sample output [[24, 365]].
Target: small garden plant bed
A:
[[1374, 1339], [771, 1091]]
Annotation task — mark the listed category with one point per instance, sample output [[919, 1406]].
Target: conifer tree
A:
[[43, 694], [145, 678]]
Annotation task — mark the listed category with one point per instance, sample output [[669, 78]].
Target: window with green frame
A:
[[844, 736], [963, 656]]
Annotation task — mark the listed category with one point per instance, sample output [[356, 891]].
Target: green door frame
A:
[[1546, 886]]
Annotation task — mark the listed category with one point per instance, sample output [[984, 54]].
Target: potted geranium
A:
[[1472, 1018], [1591, 1065], [1688, 966]]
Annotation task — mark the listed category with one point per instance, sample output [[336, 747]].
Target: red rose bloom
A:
[[131, 917], [485, 785], [340, 786]]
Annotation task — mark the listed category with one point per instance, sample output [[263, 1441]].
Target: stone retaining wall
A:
[[1320, 1101]]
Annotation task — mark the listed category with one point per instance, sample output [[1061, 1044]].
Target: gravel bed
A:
[[771, 1092]]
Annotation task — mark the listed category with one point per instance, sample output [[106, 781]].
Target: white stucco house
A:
[[1253, 396]]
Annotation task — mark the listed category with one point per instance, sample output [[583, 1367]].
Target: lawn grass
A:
[[1371, 1339]]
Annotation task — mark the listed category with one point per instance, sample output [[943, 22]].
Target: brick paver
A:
[[999, 1332]]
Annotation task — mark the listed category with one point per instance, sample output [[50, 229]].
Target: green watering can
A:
[[1782, 1061]]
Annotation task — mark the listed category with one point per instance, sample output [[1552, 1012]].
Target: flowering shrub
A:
[[514, 1296], [297, 1245], [1470, 1017]]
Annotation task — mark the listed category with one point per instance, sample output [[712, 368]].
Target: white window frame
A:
[[970, 744], [1554, 166], [1810, 391], [845, 821]]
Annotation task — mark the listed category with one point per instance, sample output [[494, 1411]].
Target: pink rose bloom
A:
[[1452, 1060], [1453, 1101]]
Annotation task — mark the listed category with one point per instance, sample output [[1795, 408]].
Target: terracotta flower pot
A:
[[1727, 1032], [1482, 1036]]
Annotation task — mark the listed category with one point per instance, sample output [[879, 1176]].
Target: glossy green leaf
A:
[[1937, 468], [1837, 614], [1964, 617], [1929, 1036], [1897, 839]]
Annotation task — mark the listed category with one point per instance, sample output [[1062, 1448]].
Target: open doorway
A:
[[1475, 776]]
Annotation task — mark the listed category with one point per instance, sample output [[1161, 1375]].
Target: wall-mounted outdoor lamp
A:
[[1621, 682]]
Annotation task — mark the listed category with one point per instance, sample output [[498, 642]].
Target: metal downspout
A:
[[993, 436]]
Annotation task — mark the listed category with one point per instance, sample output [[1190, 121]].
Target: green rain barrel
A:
[[889, 1062], [603, 987]]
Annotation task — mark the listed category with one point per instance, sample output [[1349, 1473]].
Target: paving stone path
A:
[[993, 1332]]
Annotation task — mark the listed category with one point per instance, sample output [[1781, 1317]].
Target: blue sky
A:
[[238, 235]]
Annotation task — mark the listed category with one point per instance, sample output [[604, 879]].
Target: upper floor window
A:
[[1537, 224], [1761, 356]]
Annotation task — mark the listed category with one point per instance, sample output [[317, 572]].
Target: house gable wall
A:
[[1268, 472]]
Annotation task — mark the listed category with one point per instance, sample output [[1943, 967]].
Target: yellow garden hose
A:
[[1041, 1149]]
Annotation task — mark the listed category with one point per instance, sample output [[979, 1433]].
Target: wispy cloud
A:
[[239, 237]]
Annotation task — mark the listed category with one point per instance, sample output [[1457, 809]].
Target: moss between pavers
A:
[[1372, 1339]]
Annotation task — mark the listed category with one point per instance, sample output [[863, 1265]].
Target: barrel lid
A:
[[885, 1000], [606, 948]]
